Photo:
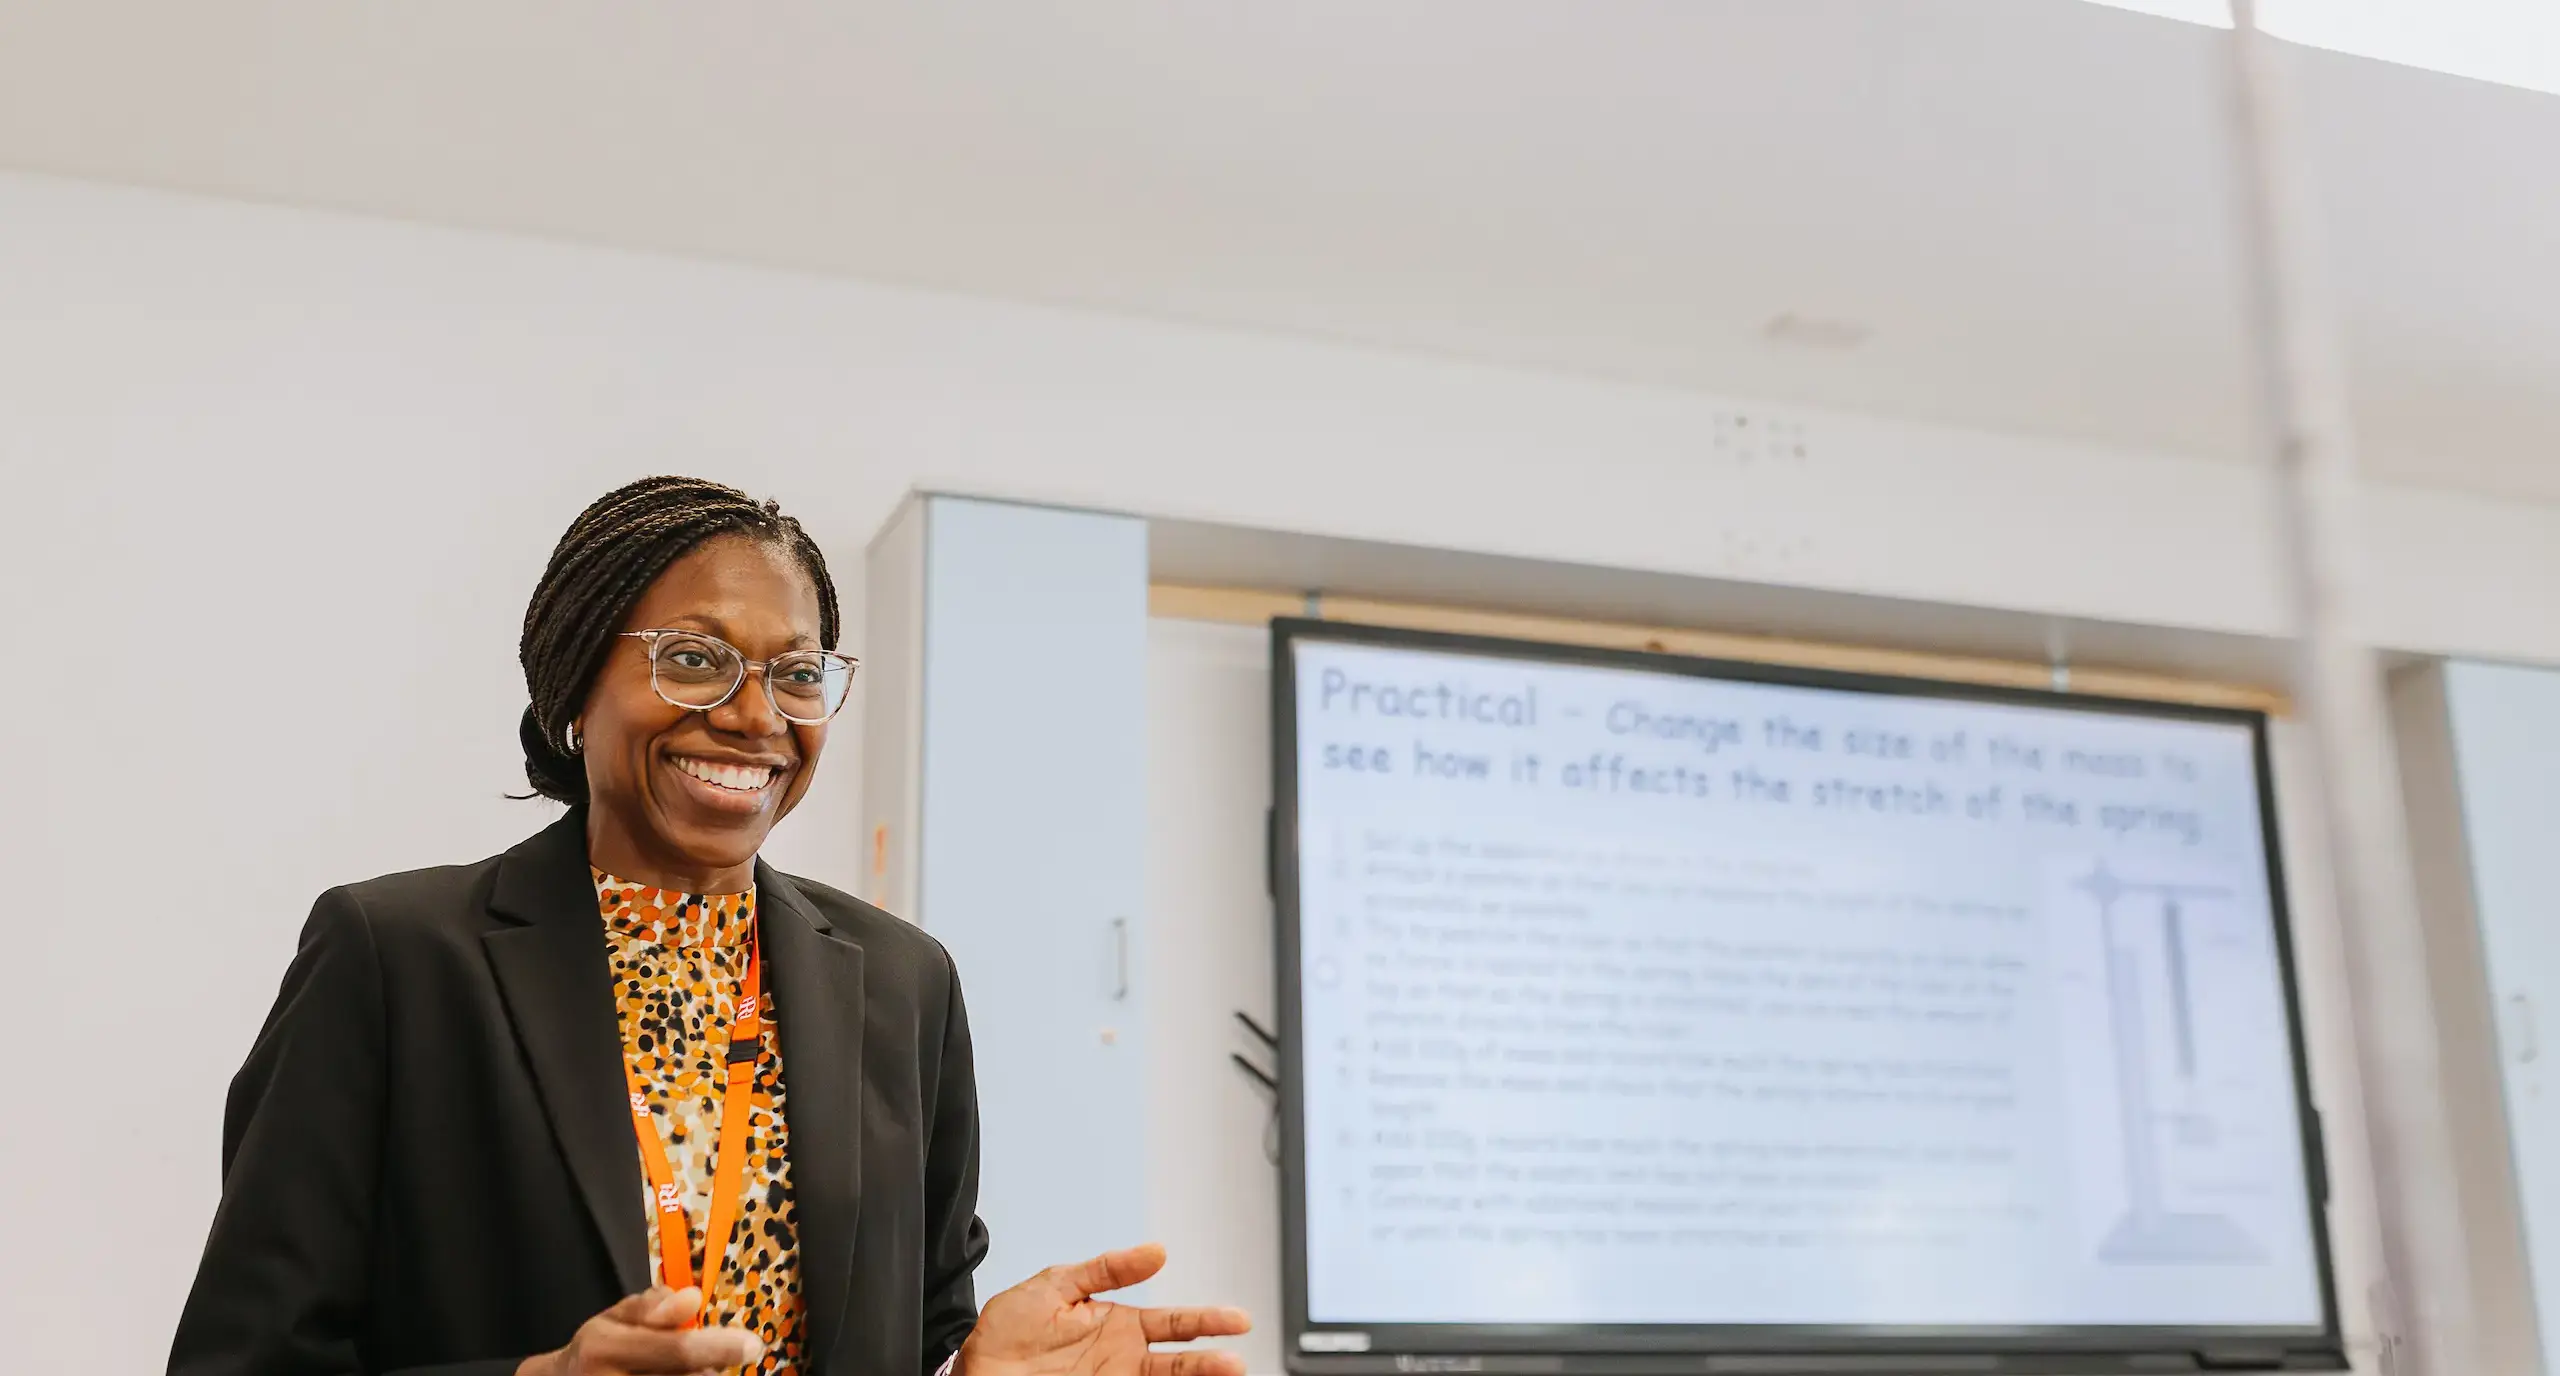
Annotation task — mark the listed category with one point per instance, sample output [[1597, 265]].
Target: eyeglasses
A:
[[700, 672]]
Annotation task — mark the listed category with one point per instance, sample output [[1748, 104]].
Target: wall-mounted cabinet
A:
[[2480, 759], [1005, 782]]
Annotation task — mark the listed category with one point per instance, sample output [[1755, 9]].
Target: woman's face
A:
[[653, 816]]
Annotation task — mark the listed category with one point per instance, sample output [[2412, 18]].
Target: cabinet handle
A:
[[2528, 1041], [1120, 958]]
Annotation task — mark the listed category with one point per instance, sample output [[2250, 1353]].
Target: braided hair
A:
[[609, 557]]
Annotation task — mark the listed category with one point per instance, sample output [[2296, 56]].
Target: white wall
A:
[[278, 482], [1213, 1187]]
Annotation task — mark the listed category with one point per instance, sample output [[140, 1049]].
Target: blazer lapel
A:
[[556, 976], [818, 999]]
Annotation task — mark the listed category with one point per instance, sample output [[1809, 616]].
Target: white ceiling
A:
[[2023, 199]]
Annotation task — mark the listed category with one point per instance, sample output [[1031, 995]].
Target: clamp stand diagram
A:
[[2151, 1233]]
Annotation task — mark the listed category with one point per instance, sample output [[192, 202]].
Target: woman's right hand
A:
[[645, 1336]]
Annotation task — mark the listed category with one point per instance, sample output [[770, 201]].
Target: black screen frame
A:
[[1336, 1349]]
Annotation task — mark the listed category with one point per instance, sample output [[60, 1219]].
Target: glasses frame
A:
[[760, 668]]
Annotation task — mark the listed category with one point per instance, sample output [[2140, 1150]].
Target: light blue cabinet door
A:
[[2506, 747], [1030, 862]]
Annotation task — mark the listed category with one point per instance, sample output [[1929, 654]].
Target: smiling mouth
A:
[[741, 779]]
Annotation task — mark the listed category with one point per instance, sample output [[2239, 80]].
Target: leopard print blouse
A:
[[677, 962]]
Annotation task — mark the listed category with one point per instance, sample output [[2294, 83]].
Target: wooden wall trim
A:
[[1256, 607]]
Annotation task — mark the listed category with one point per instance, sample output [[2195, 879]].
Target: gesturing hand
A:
[[645, 1335], [1050, 1325]]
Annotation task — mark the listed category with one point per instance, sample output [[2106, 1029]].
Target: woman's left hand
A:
[[1051, 1325]]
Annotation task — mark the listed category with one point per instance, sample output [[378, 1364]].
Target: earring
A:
[[575, 741]]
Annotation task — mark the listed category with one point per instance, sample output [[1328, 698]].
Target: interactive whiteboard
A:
[[1637, 1004]]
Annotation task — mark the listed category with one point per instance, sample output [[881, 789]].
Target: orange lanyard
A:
[[728, 1167]]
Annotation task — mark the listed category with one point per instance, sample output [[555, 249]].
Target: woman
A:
[[498, 1108]]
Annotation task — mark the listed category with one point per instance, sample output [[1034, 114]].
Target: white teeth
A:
[[740, 778]]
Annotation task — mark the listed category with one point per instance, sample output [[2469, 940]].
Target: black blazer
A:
[[427, 1161]]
